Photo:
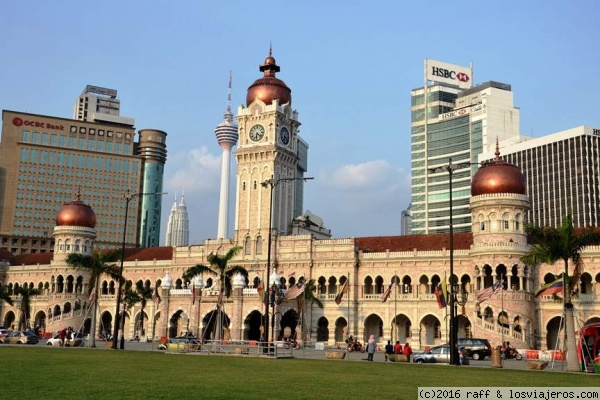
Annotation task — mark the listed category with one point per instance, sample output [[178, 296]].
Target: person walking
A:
[[371, 347]]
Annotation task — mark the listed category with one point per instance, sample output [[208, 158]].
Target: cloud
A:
[[360, 199], [197, 171]]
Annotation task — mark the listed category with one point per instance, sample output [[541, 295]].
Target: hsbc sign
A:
[[448, 73]]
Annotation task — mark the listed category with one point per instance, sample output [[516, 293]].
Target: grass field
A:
[[62, 373]]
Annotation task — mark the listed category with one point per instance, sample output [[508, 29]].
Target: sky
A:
[[350, 65]]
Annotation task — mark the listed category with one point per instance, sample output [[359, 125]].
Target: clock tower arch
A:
[[269, 148]]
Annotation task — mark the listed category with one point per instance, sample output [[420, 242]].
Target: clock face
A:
[[284, 135], [257, 132]]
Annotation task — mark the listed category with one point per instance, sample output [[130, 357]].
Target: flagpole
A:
[[396, 335], [348, 282], [502, 304]]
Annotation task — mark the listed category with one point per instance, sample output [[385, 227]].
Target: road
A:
[[311, 353]]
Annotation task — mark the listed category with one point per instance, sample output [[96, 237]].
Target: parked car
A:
[[437, 354], [477, 349], [21, 337], [180, 344], [55, 341]]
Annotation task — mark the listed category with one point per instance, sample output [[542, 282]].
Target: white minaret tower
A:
[[227, 136]]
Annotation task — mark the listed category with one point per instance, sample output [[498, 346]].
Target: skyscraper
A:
[[178, 232], [450, 119], [227, 136], [46, 161], [98, 104], [562, 175]]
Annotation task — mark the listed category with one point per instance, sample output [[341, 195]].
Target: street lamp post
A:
[[275, 299], [450, 168], [272, 183], [128, 198]]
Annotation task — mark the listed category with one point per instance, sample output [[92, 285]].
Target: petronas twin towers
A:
[[178, 232]]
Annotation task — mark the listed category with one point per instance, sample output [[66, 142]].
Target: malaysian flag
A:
[[388, 291], [486, 293], [294, 291], [340, 295]]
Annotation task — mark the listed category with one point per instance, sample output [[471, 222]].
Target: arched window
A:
[[505, 221], [247, 249], [259, 244]]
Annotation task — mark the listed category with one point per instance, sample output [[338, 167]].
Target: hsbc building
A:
[[452, 117]]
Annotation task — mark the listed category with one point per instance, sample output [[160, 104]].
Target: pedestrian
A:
[[398, 348], [389, 349], [407, 351], [461, 356], [371, 347]]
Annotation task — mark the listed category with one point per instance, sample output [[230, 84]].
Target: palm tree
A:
[[308, 296], [98, 264], [552, 245], [130, 298], [5, 295], [25, 306], [145, 293], [218, 267]]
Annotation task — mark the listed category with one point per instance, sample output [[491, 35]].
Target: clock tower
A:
[[269, 148]]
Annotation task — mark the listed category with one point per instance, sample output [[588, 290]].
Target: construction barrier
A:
[[532, 354]]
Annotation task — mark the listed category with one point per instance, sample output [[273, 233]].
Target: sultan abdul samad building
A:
[[270, 148]]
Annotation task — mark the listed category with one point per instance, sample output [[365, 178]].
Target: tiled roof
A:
[[149, 253], [462, 241], [140, 254], [32, 259], [5, 254]]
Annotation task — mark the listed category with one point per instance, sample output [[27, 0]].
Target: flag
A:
[[294, 291], [259, 288], [156, 296], [388, 291], [386, 294], [551, 288], [444, 293], [193, 293], [340, 295], [92, 297], [439, 296], [486, 293]]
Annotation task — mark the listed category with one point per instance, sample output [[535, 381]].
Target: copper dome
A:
[[76, 213], [269, 88], [498, 176]]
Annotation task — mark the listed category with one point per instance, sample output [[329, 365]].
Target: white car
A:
[[55, 341]]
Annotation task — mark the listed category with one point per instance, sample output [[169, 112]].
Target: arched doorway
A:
[[176, 324], [215, 325], [252, 325], [39, 320], [289, 320], [430, 332], [401, 328], [341, 330], [464, 327], [106, 321], [373, 326], [141, 324], [554, 335], [9, 319], [322, 330]]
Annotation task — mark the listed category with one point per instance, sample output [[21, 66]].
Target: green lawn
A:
[[63, 373]]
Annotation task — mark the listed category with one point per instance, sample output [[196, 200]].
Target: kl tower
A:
[[227, 136]]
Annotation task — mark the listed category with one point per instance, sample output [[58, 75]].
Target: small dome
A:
[[76, 213], [498, 176], [269, 88]]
